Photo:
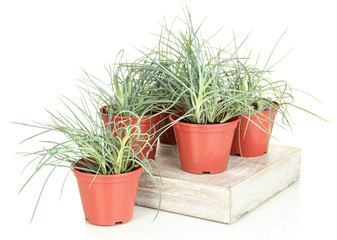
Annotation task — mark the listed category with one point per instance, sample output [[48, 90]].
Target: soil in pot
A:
[[108, 199], [204, 148]]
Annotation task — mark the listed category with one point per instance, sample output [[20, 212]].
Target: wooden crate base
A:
[[224, 197]]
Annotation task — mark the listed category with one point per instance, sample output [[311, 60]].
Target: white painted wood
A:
[[259, 187], [224, 197]]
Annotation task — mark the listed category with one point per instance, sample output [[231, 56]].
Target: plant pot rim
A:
[[261, 114], [275, 103], [232, 121], [89, 177], [144, 117]]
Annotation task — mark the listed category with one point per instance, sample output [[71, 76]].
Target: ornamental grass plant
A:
[[127, 91], [88, 145], [193, 71], [265, 93]]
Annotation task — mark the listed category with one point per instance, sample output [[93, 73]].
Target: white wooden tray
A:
[[224, 197]]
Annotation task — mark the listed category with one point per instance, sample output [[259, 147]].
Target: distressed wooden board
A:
[[224, 197]]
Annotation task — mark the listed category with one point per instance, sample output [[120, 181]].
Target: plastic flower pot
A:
[[108, 199], [249, 138], [148, 124], [204, 148], [168, 136]]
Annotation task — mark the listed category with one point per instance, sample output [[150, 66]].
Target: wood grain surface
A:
[[223, 197]]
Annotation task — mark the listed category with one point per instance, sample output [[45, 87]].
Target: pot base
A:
[[203, 172], [104, 224]]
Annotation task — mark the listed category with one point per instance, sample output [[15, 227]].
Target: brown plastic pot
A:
[[108, 199], [249, 138], [168, 136], [204, 148], [148, 124]]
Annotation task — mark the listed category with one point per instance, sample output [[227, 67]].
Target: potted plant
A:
[[129, 98], [267, 98], [149, 71], [105, 161], [204, 132], [252, 135]]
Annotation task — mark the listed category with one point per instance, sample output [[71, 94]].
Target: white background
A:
[[44, 45]]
